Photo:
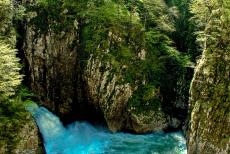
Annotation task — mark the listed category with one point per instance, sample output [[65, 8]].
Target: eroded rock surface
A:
[[85, 64]]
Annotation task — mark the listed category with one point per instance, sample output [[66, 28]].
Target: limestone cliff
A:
[[107, 93], [80, 62], [210, 105], [51, 59], [209, 121]]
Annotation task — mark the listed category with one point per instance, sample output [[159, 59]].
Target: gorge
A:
[[125, 76]]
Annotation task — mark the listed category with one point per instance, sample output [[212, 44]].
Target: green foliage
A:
[[45, 15], [184, 36], [145, 98], [6, 17], [24, 92], [13, 117], [6, 14], [9, 63], [159, 15], [133, 37], [12, 112], [48, 3], [210, 87], [213, 21], [117, 32], [9, 70]]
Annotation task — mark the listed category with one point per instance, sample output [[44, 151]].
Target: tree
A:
[[213, 20], [9, 70], [10, 77], [159, 15]]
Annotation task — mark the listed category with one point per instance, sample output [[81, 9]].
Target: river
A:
[[84, 138]]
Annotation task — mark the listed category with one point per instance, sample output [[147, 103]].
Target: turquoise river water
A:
[[83, 138]]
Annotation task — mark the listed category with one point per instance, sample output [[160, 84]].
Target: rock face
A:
[[23, 139], [52, 60], [210, 89], [52, 63], [30, 141], [210, 105], [112, 98], [72, 81], [53, 70]]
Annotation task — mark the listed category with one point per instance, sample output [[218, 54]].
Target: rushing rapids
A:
[[83, 138]]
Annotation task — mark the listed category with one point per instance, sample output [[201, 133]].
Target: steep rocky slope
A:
[[21, 139], [210, 89], [52, 65], [98, 61], [210, 105]]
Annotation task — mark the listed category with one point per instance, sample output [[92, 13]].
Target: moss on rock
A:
[[18, 131]]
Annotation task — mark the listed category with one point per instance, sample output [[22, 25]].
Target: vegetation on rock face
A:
[[133, 41], [18, 132], [184, 35], [132, 58], [210, 94]]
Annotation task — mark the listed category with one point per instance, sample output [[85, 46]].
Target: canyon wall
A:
[[77, 66], [209, 106]]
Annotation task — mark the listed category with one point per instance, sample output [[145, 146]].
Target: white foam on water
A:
[[83, 138]]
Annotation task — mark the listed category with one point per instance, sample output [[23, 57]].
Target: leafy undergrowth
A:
[[13, 117]]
